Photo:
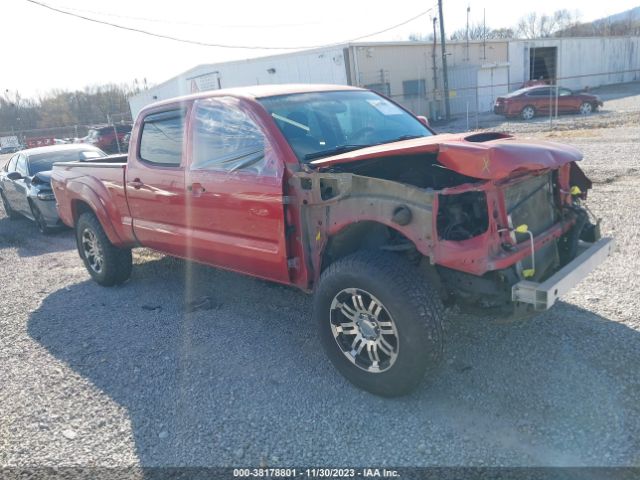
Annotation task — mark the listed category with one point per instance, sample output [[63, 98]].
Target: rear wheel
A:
[[528, 112], [380, 322], [11, 213], [107, 264]]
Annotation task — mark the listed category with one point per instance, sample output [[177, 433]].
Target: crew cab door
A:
[[155, 185], [235, 191]]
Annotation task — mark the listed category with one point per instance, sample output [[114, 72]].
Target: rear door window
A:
[[162, 137]]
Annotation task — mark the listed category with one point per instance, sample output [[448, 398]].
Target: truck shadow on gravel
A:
[[240, 379]]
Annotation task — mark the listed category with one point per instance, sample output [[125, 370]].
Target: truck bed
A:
[[100, 186]]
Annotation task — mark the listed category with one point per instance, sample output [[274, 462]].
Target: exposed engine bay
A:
[[421, 171], [462, 216]]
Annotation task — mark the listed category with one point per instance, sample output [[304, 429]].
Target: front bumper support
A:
[[543, 295]]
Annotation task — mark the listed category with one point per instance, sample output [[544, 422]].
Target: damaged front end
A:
[[483, 212]]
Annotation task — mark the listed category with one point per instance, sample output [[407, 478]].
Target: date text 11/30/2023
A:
[[314, 472]]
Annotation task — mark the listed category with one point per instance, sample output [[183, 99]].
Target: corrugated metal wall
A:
[[581, 62]]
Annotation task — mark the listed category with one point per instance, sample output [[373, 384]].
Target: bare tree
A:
[[535, 25], [477, 31], [502, 33], [416, 37], [627, 25]]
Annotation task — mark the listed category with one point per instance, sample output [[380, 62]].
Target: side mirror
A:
[[14, 176], [424, 120]]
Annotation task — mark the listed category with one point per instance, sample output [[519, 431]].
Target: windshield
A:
[[42, 162], [321, 124]]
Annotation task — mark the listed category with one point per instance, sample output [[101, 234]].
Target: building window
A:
[[383, 88], [414, 88]]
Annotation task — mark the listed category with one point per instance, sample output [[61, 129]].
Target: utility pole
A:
[[468, 10], [484, 33], [433, 56], [445, 79]]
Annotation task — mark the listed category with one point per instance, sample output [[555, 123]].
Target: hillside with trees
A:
[[59, 108], [561, 23]]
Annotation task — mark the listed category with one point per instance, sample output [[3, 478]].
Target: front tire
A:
[[39, 218], [11, 213], [380, 322], [107, 264], [586, 108]]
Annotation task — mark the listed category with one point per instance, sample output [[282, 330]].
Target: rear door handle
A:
[[136, 183]]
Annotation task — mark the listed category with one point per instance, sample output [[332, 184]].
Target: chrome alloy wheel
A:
[[364, 330], [586, 108], [92, 250], [528, 113]]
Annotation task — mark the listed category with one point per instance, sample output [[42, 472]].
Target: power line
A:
[[221, 45], [190, 24]]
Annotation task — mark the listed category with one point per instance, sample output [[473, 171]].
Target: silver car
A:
[[25, 181]]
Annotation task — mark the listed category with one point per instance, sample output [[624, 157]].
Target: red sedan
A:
[[532, 101]]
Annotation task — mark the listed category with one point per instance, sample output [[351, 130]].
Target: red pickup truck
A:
[[341, 192]]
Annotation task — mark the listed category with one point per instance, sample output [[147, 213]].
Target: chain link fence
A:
[[62, 134], [473, 91]]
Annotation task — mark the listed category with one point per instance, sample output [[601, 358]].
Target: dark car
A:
[[8, 149], [109, 138], [25, 181], [540, 100]]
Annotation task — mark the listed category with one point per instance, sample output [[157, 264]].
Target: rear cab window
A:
[[161, 138]]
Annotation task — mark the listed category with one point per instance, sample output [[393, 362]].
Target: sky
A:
[[43, 50]]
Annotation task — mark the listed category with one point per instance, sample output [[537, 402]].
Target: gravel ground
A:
[[131, 376]]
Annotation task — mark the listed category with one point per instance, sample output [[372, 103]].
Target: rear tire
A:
[[528, 112], [107, 264], [380, 321], [11, 213]]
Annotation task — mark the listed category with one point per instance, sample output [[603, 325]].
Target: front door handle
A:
[[136, 183], [196, 189]]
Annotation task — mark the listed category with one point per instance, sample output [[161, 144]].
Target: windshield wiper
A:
[[334, 151]]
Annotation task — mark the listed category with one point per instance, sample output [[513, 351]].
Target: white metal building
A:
[[411, 72], [310, 66]]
